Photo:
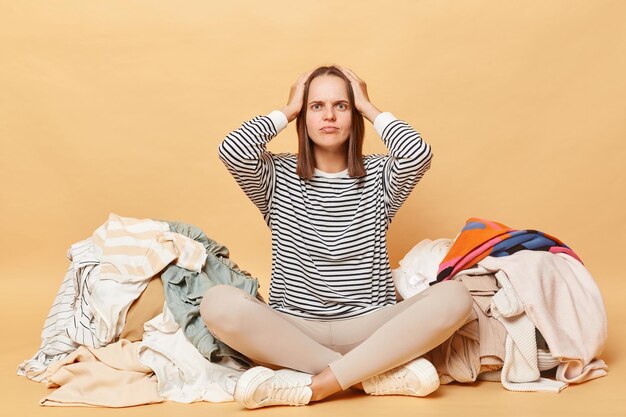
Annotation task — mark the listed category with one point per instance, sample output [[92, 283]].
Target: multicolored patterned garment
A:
[[480, 238]]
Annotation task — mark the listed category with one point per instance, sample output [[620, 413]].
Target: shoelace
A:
[[285, 391], [391, 381]]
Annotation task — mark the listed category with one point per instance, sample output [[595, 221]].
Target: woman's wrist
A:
[[370, 112], [289, 113], [279, 119]]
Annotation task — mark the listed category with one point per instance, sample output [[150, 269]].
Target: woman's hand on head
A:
[[361, 98], [296, 96]]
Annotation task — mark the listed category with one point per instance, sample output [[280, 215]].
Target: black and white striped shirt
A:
[[329, 234]]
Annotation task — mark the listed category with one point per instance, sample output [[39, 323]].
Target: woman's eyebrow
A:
[[321, 101]]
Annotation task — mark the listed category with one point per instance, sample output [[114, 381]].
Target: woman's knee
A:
[[457, 303], [220, 308]]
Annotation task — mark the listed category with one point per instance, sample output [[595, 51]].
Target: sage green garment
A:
[[184, 290]]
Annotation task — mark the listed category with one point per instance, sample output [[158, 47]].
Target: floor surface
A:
[[601, 397]]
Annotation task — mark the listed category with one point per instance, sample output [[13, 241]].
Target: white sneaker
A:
[[418, 378], [261, 387]]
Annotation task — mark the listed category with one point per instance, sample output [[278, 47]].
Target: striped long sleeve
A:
[[409, 158], [244, 153]]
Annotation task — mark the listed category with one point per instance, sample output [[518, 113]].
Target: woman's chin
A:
[[329, 143]]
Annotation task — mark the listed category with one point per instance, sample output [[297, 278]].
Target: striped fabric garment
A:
[[55, 340], [86, 265], [329, 243], [133, 249], [108, 271]]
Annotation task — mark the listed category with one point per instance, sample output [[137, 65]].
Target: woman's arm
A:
[[408, 159], [244, 153], [409, 156]]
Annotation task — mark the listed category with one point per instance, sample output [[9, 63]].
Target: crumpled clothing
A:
[[183, 374], [185, 289], [56, 342], [564, 303], [520, 371], [111, 376], [480, 238], [419, 266], [132, 251], [478, 346], [108, 271]]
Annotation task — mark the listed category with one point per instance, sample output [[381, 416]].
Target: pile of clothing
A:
[[537, 310], [125, 328]]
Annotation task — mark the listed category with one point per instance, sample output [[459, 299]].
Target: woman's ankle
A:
[[324, 385], [358, 386]]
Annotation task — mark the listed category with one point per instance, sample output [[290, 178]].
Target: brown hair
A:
[[306, 158]]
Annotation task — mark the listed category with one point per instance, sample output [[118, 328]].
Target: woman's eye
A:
[[342, 106], [315, 106]]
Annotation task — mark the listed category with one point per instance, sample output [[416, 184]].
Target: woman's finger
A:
[[305, 76], [351, 74], [347, 73]]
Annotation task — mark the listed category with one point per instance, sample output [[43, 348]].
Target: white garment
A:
[[520, 371], [419, 266], [132, 251], [183, 374], [564, 303]]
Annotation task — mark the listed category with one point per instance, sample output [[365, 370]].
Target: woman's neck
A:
[[329, 161]]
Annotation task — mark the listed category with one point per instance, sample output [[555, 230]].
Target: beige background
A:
[[119, 106]]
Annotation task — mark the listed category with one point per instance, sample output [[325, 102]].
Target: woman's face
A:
[[328, 116]]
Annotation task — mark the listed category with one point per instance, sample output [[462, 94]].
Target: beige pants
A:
[[355, 349]]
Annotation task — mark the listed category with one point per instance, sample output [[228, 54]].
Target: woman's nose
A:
[[329, 114]]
